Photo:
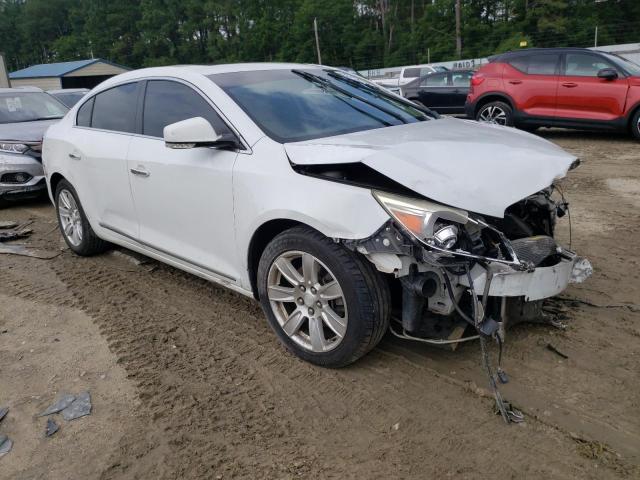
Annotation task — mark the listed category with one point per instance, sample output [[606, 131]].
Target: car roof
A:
[[68, 90], [530, 51]]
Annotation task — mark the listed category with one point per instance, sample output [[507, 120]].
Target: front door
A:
[[183, 197], [583, 95]]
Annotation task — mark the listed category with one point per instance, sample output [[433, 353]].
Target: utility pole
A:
[[315, 29], [595, 40], [458, 28]]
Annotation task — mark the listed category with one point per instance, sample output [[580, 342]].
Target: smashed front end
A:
[[455, 268]]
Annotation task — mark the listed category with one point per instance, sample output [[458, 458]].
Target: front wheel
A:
[[498, 113], [74, 225], [635, 125], [327, 305]]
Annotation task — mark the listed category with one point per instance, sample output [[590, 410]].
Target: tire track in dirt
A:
[[227, 399]]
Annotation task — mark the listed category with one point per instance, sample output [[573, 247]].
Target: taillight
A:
[[477, 79]]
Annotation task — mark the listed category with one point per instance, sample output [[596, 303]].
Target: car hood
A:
[[477, 167], [25, 131]]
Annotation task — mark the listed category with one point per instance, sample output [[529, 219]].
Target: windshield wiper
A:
[[326, 83], [376, 92]]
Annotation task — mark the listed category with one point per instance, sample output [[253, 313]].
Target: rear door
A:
[[531, 80], [582, 95], [183, 197], [460, 81], [435, 91], [105, 125]]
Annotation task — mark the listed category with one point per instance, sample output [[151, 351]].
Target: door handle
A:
[[515, 82], [75, 156], [569, 84], [140, 172]]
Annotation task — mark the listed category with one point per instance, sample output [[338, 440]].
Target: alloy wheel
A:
[[70, 217], [307, 301], [493, 114]]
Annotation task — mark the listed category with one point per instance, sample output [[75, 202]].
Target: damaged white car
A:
[[340, 206]]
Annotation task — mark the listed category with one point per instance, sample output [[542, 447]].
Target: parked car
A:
[[394, 80], [443, 92], [562, 87], [69, 96], [25, 114], [326, 198]]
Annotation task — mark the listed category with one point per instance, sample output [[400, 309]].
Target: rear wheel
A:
[[498, 113], [75, 228], [326, 304], [635, 125]]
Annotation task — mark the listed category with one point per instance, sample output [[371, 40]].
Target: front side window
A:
[[168, 102], [115, 109], [294, 105], [584, 65], [20, 106]]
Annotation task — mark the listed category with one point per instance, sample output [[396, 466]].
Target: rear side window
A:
[[168, 102], [541, 64], [412, 73], [84, 114], [115, 109], [461, 79], [435, 80]]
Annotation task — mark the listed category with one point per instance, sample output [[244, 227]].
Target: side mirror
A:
[[608, 74], [191, 133]]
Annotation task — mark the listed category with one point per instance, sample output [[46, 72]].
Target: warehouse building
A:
[[78, 74]]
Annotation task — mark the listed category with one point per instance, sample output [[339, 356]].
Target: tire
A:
[[83, 240], [497, 113], [364, 304], [635, 125]]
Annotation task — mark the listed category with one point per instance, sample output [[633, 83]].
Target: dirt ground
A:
[[187, 380]]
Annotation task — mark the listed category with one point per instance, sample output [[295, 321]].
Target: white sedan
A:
[[340, 207]]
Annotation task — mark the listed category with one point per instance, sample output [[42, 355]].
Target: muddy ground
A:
[[188, 381]]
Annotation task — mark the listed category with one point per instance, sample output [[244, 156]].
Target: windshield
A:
[[295, 105], [69, 99], [29, 106], [628, 65]]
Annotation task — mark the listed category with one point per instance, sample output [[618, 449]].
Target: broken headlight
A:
[[427, 221]]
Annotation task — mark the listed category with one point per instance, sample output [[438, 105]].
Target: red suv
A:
[[557, 87]]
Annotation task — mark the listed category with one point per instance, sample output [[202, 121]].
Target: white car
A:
[[339, 206], [393, 81]]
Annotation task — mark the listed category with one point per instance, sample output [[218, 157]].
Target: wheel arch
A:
[[54, 180], [259, 241], [632, 112], [493, 97]]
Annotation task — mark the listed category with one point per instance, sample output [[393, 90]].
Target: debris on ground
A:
[[80, 407], [63, 402], [28, 252], [5, 445], [15, 234], [6, 224], [3, 412], [556, 351], [52, 427]]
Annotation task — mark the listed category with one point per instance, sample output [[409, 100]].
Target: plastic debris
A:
[[8, 224], [3, 412], [80, 407], [52, 427], [62, 403], [15, 235], [556, 351], [6, 444], [28, 252]]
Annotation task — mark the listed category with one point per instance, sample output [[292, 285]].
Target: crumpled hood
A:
[[477, 167], [25, 131]]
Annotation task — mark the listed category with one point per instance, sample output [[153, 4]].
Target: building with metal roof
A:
[[77, 74]]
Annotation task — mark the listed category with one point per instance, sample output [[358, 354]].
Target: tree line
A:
[[356, 33]]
